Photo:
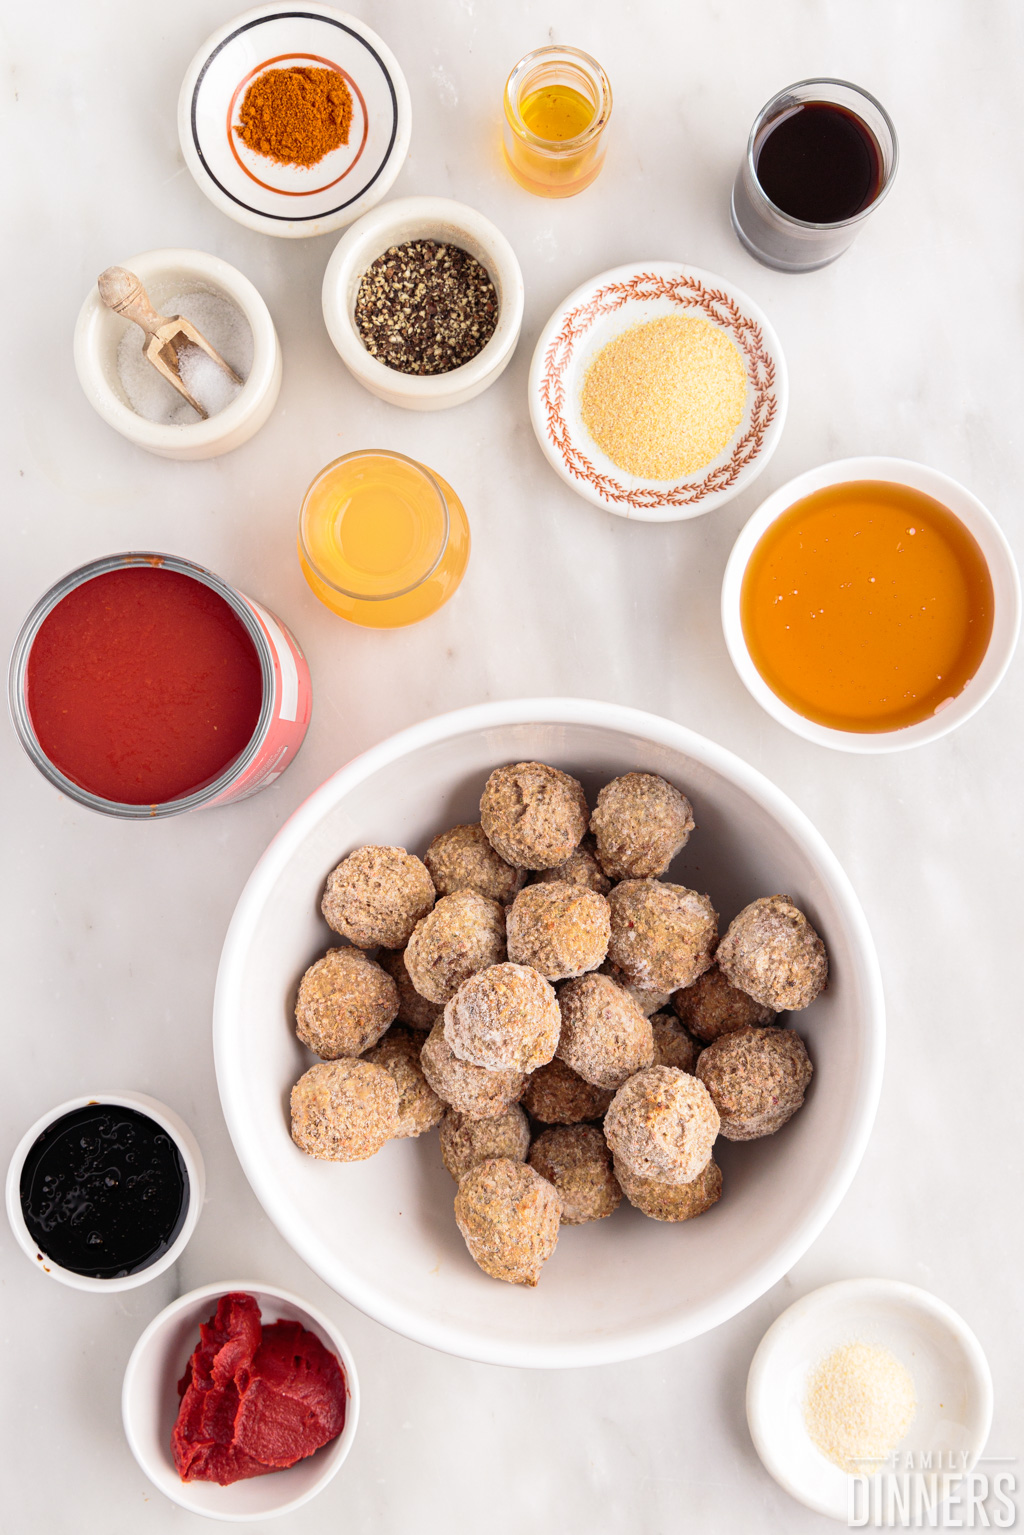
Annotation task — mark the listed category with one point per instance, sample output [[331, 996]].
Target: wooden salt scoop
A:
[[122, 292]]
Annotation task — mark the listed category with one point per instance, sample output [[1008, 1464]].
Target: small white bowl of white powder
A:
[[133, 398], [863, 1391]]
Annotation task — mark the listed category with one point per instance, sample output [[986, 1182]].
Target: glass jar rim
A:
[[576, 56], [17, 692], [847, 85], [433, 483]]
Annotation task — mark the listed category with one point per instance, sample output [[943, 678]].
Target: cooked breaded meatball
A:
[[605, 1037], [576, 1160], [757, 1078], [464, 933], [413, 1009], [503, 1019], [533, 815], [580, 868], [345, 1003], [649, 1002], [509, 1216], [419, 1107], [376, 896], [672, 1045], [640, 823], [671, 1201], [663, 936], [713, 1006], [343, 1111], [662, 1124], [557, 1095], [772, 952], [560, 929], [463, 859], [465, 1142], [476, 1093]]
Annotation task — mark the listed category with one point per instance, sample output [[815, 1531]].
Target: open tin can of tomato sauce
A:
[[142, 686]]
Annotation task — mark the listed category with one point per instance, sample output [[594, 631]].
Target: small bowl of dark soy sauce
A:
[[103, 1193], [821, 156]]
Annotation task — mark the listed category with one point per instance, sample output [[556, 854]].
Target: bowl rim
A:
[[625, 273], [336, 1452], [898, 1294], [386, 176], [969, 510], [192, 1157], [264, 374], [643, 1339], [369, 230]]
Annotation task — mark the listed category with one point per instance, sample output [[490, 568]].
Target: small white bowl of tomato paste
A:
[[143, 686], [240, 1401]]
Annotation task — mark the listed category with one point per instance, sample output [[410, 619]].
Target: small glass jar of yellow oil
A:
[[383, 541], [557, 105]]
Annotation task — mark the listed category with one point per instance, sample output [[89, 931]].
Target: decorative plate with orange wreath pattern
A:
[[594, 315]]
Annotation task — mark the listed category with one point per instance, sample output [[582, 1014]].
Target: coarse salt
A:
[[228, 332]]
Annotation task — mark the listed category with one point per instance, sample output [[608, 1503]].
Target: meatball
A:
[[580, 868], [509, 1216], [464, 933], [662, 1124], [532, 815], [413, 1009], [671, 1201], [559, 929], [465, 1142], [757, 1078], [419, 1107], [557, 1095], [576, 1159], [772, 952], [345, 1004], [640, 824], [712, 1006], [605, 1037], [476, 1093], [648, 1002], [463, 859], [376, 896], [663, 936], [672, 1045], [503, 1019], [343, 1111]]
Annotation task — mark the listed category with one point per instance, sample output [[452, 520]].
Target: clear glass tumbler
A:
[[383, 541], [775, 237], [557, 105]]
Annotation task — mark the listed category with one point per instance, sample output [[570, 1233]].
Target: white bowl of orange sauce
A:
[[871, 605]]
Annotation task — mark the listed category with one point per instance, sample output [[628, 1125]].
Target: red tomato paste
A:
[[254, 1399], [143, 685]]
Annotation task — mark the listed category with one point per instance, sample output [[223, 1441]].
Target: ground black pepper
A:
[[424, 307]]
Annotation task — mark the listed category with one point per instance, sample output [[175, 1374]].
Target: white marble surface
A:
[[909, 345]]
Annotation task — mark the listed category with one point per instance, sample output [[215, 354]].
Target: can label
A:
[[291, 708]]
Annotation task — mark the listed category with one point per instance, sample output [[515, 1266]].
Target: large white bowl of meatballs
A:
[[549, 1033]]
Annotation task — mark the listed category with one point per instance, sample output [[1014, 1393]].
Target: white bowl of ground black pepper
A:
[[423, 299]]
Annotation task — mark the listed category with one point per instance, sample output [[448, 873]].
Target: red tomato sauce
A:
[[143, 685]]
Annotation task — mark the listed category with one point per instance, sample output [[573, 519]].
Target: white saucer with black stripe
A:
[[266, 194]]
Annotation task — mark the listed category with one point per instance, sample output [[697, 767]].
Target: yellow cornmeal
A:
[[860, 1403], [664, 398]]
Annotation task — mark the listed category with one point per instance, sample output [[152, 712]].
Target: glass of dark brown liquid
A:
[[821, 156]]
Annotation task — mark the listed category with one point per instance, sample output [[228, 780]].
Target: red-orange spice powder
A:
[[297, 115]]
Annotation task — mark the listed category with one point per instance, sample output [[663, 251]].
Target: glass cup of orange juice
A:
[[383, 541], [557, 105]]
